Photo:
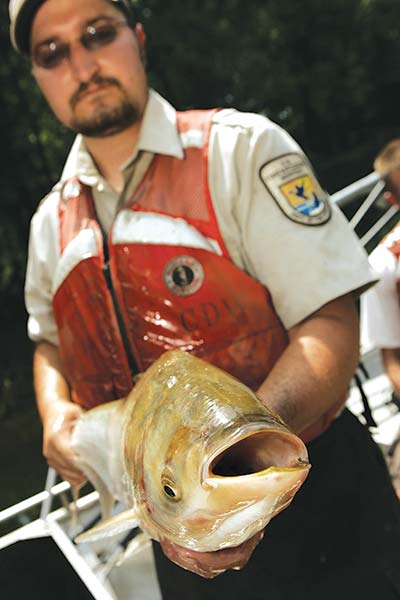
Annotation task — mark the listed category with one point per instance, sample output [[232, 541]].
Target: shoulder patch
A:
[[293, 185]]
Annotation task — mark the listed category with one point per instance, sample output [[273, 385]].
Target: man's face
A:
[[97, 92]]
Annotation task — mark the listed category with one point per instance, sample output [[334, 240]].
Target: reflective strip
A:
[[134, 227], [81, 247], [194, 138]]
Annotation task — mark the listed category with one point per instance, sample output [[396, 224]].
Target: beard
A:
[[105, 120]]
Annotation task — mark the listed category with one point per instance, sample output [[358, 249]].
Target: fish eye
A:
[[170, 489]]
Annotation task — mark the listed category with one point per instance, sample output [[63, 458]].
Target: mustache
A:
[[96, 80]]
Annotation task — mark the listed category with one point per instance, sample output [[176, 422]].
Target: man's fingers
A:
[[189, 560], [211, 564], [66, 467], [75, 478], [57, 443]]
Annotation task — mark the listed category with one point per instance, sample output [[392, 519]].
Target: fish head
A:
[[208, 464]]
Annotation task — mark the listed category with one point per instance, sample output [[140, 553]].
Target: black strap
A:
[[367, 413]]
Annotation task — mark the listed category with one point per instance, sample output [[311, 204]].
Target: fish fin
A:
[[118, 524], [139, 542], [75, 489], [106, 499]]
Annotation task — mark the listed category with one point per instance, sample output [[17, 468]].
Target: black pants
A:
[[339, 539]]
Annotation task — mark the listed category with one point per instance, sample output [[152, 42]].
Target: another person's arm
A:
[[391, 363], [57, 412]]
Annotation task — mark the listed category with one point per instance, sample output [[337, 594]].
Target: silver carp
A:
[[192, 454]]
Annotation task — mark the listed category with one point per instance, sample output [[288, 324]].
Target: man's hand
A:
[[57, 432], [211, 564], [57, 412]]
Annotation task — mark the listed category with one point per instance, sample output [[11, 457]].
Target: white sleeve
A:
[[304, 261], [380, 308], [43, 254]]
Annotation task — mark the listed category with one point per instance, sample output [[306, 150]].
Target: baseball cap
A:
[[22, 13]]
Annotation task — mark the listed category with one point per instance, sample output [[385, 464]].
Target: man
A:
[[380, 306], [187, 230]]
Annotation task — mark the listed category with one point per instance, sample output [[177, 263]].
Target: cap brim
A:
[[22, 28], [21, 32]]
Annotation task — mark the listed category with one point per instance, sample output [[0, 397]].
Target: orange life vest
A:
[[163, 279]]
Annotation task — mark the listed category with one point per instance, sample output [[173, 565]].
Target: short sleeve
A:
[[42, 259], [304, 258]]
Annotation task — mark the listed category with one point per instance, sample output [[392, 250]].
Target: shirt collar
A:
[[158, 135]]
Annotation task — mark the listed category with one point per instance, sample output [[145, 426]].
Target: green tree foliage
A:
[[327, 72]]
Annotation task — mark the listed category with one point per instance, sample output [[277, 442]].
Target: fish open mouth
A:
[[258, 452]]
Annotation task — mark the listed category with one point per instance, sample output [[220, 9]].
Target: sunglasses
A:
[[53, 53]]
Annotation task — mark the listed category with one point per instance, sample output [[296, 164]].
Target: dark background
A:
[[327, 72]]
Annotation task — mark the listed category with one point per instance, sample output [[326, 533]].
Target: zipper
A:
[[133, 366]]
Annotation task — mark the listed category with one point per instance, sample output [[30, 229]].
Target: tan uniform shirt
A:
[[304, 263]]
